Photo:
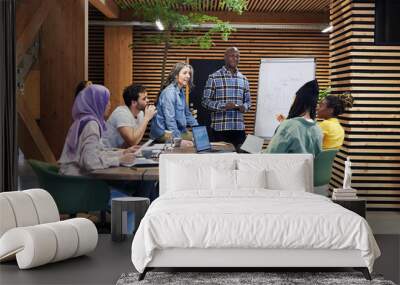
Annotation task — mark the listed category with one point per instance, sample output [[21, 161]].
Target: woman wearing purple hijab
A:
[[83, 150]]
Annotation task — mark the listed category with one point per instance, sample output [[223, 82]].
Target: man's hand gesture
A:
[[149, 112], [233, 106], [230, 106]]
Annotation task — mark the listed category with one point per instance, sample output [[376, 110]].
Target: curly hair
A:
[[339, 103], [131, 93]]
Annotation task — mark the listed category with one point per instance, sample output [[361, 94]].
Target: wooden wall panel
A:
[[62, 67], [253, 45], [30, 15], [117, 59], [30, 137], [96, 47], [371, 73], [32, 91]]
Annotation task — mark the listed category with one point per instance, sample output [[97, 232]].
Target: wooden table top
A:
[[145, 173], [119, 173]]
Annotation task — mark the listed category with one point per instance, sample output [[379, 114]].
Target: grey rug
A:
[[269, 278]]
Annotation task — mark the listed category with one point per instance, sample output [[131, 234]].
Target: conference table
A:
[[148, 173]]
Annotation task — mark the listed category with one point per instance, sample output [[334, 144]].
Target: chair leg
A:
[[103, 215], [364, 271]]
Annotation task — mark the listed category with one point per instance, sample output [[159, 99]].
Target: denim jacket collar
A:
[[177, 89]]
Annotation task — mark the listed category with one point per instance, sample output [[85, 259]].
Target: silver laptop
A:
[[201, 140]]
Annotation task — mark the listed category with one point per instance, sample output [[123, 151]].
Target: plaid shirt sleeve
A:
[[208, 96]]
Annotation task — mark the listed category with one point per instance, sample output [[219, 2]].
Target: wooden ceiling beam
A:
[[107, 7], [30, 137], [254, 17], [30, 15]]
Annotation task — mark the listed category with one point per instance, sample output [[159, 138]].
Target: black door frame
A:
[[8, 110]]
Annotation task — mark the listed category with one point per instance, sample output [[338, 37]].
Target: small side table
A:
[[119, 208], [357, 206]]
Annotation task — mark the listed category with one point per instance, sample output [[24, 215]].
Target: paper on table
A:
[[146, 144], [157, 146], [252, 144], [141, 162], [219, 143]]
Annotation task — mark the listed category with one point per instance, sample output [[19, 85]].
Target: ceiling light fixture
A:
[[327, 29], [159, 25]]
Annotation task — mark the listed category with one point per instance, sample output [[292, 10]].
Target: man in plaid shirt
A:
[[227, 96]]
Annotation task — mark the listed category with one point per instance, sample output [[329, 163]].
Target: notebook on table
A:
[[143, 146], [252, 144], [142, 162]]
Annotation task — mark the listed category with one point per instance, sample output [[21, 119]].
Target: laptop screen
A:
[[201, 139]]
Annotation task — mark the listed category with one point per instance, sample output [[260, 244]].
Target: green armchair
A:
[[72, 194], [323, 170]]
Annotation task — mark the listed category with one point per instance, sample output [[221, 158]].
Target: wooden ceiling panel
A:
[[261, 6]]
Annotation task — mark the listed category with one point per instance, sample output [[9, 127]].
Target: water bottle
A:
[[169, 140]]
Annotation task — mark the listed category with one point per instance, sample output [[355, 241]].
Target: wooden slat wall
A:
[[372, 74], [253, 45], [96, 47]]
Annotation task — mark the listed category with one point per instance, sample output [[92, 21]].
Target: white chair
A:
[[31, 230]]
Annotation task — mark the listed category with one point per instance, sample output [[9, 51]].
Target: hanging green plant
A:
[[174, 22]]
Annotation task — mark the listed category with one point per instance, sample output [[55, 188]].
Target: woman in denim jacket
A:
[[173, 113]]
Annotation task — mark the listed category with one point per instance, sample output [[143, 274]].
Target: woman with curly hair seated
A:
[[329, 109]]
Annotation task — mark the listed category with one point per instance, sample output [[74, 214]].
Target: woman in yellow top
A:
[[328, 110]]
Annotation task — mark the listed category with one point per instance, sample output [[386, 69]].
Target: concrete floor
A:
[[110, 259], [102, 266], [388, 264]]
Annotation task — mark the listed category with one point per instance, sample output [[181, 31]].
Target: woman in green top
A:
[[299, 133]]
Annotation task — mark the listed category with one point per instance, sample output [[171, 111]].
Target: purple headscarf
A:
[[89, 105]]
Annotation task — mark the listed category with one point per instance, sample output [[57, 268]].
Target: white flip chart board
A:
[[278, 81]]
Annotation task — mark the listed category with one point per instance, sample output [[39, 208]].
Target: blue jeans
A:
[[147, 189]]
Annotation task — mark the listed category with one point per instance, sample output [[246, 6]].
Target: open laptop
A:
[[202, 142]]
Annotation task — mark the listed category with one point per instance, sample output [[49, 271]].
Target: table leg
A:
[[116, 221]]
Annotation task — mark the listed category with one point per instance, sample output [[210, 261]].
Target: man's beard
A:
[[141, 107]]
